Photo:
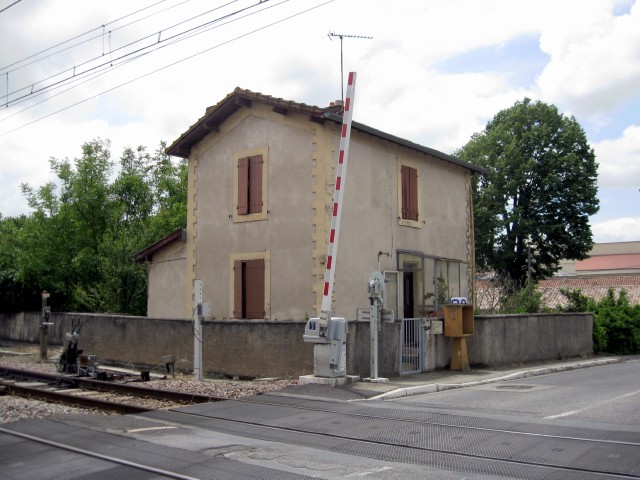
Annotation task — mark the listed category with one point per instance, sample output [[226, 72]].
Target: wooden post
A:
[[459, 356]]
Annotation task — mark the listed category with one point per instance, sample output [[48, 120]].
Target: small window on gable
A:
[[249, 288], [250, 190], [250, 185], [409, 195]]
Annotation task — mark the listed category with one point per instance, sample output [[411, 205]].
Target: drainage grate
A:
[[511, 387]]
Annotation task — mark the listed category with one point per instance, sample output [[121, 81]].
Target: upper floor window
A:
[[250, 193], [408, 194], [249, 185]]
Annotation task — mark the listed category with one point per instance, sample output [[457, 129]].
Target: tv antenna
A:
[[341, 36]]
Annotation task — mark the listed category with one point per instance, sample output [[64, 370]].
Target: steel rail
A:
[[438, 424], [107, 458], [493, 459], [102, 386], [73, 400]]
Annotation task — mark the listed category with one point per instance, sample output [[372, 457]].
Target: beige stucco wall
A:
[[166, 290], [371, 224], [285, 236], [293, 238]]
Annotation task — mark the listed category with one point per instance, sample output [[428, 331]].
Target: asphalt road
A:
[[604, 395]]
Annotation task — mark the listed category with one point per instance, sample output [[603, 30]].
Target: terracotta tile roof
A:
[[215, 115], [147, 254], [593, 286], [625, 261]]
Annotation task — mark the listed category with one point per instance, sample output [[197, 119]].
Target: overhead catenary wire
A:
[[73, 71], [9, 6], [101, 27], [184, 59], [108, 66]]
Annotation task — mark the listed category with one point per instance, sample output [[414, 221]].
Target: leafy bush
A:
[[616, 326], [525, 300]]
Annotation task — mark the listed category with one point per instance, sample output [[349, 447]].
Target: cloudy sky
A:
[[435, 72]]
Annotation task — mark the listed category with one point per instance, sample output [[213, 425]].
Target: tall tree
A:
[[536, 202], [79, 241], [15, 295], [58, 248]]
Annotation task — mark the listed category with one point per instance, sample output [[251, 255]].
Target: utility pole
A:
[[44, 327], [341, 36], [201, 310]]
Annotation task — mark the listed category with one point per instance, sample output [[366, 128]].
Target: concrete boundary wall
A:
[[507, 339], [253, 349]]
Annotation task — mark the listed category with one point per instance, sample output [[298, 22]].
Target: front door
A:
[[407, 289]]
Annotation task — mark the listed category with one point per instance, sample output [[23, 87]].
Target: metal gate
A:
[[411, 346]]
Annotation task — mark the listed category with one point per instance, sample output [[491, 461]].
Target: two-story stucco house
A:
[[261, 184]]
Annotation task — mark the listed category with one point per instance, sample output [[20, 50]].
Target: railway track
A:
[[84, 392], [485, 446], [491, 447]]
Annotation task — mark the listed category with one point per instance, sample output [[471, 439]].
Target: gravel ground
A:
[[26, 357]]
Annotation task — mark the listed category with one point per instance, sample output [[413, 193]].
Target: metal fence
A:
[[411, 346]]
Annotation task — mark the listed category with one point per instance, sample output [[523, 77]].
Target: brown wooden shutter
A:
[[409, 193], [243, 186], [254, 301], [413, 194], [255, 184], [404, 170], [237, 289]]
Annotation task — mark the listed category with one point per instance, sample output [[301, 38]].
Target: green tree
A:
[[79, 241], [15, 295], [58, 245], [539, 194]]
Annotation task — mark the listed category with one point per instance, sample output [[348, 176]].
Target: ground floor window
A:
[[249, 288], [428, 282]]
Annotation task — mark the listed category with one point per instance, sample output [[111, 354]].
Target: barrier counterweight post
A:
[[341, 172]]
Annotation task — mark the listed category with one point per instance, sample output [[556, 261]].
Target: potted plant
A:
[[442, 293]]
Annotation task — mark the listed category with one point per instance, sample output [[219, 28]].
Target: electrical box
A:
[[437, 327], [330, 352], [458, 320], [312, 332], [203, 310]]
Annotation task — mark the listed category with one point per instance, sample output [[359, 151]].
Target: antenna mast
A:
[[341, 36]]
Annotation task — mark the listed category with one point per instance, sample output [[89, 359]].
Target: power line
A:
[[109, 67], [101, 27], [168, 66], [8, 7], [109, 63]]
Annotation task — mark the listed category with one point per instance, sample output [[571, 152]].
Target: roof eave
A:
[[217, 114], [406, 143], [206, 124], [146, 254]]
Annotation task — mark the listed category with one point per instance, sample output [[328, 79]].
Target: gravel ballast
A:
[[26, 357]]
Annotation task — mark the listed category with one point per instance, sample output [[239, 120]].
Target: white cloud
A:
[[619, 159], [626, 229], [595, 56], [594, 59]]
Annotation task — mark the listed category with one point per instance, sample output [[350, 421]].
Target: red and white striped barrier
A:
[[341, 173]]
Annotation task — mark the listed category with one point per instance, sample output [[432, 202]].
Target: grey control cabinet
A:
[[330, 352]]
